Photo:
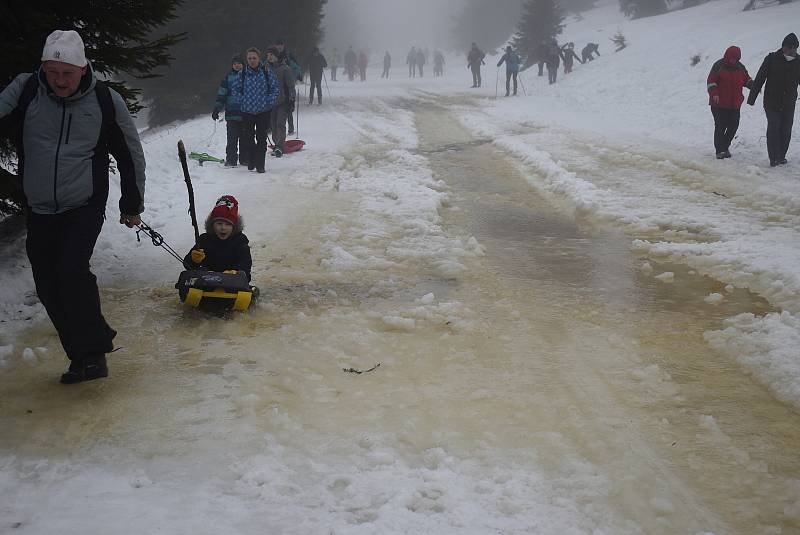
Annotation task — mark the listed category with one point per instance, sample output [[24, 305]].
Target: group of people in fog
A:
[[779, 75]]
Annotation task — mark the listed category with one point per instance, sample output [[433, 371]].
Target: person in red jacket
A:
[[725, 82]]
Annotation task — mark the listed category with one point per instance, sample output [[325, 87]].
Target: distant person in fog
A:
[[411, 60], [350, 63], [336, 60], [387, 64], [438, 63], [474, 61], [420, 61], [363, 61]]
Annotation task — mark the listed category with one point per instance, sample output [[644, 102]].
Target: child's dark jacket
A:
[[222, 255]]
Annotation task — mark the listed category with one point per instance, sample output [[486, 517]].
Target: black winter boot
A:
[[85, 370]]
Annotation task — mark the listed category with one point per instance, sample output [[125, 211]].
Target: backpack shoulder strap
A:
[[28, 93], [106, 102]]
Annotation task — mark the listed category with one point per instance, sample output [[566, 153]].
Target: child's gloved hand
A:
[[198, 255]]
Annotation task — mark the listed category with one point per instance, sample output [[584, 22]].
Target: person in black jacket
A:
[[316, 64], [781, 72], [223, 246]]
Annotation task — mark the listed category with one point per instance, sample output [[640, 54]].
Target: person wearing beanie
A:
[[229, 98], [474, 61], [781, 73], [72, 123], [284, 102], [725, 82], [223, 246]]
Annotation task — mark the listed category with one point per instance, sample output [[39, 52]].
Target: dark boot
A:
[[85, 370]]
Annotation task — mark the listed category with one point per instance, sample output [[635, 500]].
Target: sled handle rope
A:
[[157, 239], [188, 180]]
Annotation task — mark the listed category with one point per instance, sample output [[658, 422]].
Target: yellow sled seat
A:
[[213, 290]]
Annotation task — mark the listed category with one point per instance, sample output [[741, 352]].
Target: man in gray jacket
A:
[[285, 102], [67, 124]]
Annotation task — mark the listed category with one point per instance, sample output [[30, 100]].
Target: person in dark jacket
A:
[[260, 92], [223, 246], [474, 61], [350, 63], [438, 63], [781, 72], [541, 55], [387, 64], [229, 98], [725, 82], [284, 102], [411, 60], [68, 124], [421, 60], [512, 61], [589, 50], [316, 64], [286, 57], [553, 60], [569, 56]]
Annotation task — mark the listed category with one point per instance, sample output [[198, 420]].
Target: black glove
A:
[[215, 115]]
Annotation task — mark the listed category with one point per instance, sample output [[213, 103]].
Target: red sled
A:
[[291, 145]]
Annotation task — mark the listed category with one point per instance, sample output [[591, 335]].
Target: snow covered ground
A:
[[622, 142]]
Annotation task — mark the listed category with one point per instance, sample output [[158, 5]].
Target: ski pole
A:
[[188, 180], [297, 122], [523, 85], [326, 86], [496, 82]]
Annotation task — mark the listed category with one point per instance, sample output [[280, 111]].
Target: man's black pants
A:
[[726, 123], [59, 248], [779, 132], [255, 126], [234, 139], [316, 83], [509, 76]]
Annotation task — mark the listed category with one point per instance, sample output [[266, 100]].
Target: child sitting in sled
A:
[[223, 246]]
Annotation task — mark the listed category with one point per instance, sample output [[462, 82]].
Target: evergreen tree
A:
[[637, 9], [215, 32], [541, 21], [119, 38]]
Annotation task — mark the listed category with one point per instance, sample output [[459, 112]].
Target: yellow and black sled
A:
[[212, 290]]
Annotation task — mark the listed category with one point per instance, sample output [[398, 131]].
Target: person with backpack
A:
[[512, 62], [71, 123], [781, 72], [316, 65], [725, 82], [286, 94], [260, 91], [229, 98], [474, 61]]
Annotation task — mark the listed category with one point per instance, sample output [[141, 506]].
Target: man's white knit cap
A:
[[65, 46]]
